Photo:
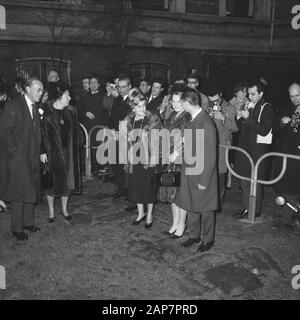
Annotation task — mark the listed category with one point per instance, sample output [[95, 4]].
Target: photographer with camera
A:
[[255, 138], [110, 96], [288, 132], [223, 114]]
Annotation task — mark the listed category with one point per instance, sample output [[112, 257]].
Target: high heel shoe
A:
[[148, 225], [175, 236], [167, 233], [137, 222], [66, 217]]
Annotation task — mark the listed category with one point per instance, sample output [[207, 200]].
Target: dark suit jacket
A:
[[20, 154], [248, 138], [119, 111], [189, 196], [93, 103], [155, 103]]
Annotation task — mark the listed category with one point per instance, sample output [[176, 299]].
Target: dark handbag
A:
[[46, 176], [167, 178]]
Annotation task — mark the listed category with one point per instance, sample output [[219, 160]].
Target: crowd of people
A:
[[40, 146]]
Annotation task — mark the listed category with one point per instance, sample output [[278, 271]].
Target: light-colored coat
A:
[[225, 128]]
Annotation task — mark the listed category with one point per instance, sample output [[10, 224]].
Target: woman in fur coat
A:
[[141, 176], [177, 121], [60, 132]]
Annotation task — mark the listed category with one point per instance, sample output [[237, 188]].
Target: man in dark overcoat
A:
[[20, 139], [198, 193], [156, 98], [119, 111]]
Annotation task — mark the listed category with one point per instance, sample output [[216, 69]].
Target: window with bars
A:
[[202, 6], [149, 70], [40, 67]]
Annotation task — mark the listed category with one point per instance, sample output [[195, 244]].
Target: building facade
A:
[[231, 40]]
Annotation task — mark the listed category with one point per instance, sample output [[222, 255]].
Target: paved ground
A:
[[99, 255]]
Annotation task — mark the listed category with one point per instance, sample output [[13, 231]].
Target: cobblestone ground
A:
[[100, 255]]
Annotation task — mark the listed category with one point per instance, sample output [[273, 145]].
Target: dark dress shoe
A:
[[189, 242], [148, 225], [242, 214], [175, 236], [20, 235], [32, 228], [118, 195], [137, 222], [51, 220], [205, 246]]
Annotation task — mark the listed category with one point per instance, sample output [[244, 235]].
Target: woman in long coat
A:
[[141, 176], [178, 120], [60, 143]]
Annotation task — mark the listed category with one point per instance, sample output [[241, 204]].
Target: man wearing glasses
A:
[[193, 82]]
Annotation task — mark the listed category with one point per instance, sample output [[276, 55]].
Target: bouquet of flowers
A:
[[295, 122]]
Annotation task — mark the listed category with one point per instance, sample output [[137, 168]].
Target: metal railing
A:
[[254, 172], [254, 167], [88, 147]]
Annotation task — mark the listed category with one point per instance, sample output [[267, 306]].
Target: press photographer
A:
[[223, 114]]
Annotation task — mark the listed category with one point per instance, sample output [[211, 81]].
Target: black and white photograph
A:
[[149, 153]]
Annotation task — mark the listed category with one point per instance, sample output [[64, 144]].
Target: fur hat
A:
[[56, 90]]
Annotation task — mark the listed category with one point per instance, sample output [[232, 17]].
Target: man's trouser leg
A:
[[28, 214], [222, 181], [194, 223], [119, 173], [208, 226], [17, 216]]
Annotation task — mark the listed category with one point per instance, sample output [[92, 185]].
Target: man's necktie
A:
[[251, 110], [34, 118]]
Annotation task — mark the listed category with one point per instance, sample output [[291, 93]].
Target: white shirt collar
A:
[[196, 113], [29, 104], [28, 101], [125, 97]]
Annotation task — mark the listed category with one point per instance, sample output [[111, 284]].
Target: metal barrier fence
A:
[[88, 147], [254, 167], [254, 171]]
